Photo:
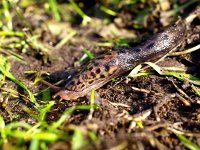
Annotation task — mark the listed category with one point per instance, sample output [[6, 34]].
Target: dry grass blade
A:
[[195, 48], [179, 75]]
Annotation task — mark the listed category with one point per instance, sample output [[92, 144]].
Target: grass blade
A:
[[87, 52], [2, 128], [86, 19], [65, 40], [66, 114], [7, 14], [54, 7], [108, 11], [78, 141], [195, 48], [196, 90], [5, 71], [190, 145], [11, 33]]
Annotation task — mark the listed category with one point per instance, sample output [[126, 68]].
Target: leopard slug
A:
[[113, 64]]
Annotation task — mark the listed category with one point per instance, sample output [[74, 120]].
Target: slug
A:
[[113, 64]]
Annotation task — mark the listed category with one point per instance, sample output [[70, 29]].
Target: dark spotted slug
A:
[[103, 68]]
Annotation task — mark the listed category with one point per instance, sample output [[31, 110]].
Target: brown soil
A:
[[121, 101]]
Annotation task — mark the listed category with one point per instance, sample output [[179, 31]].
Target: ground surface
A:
[[116, 122]]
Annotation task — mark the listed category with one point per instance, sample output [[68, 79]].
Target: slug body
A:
[[102, 69]]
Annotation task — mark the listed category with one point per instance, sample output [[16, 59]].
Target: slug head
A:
[[66, 95]]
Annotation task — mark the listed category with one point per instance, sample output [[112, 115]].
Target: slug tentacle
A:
[[53, 87], [103, 68]]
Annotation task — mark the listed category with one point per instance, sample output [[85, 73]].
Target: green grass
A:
[[42, 132], [4, 68], [19, 38], [45, 133], [55, 9], [7, 14], [86, 55], [190, 145]]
